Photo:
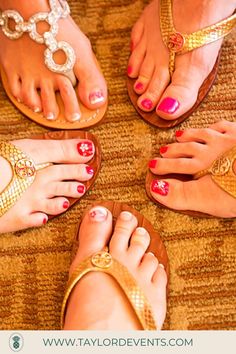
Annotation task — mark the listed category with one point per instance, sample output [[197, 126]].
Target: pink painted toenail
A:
[[139, 86], [129, 70], [90, 170], [147, 104], [85, 148], [81, 189], [98, 214], [45, 221], [160, 187], [152, 163], [179, 133], [163, 149], [168, 105], [96, 97], [66, 205]]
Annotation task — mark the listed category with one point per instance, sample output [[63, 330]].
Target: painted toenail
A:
[[126, 216], [50, 116], [98, 214], [75, 117], [179, 133], [37, 110], [161, 265], [66, 205], [81, 189], [163, 149], [152, 163], [160, 187], [147, 104], [141, 231], [85, 148], [96, 97], [129, 70], [89, 170], [139, 86], [168, 105], [45, 221]]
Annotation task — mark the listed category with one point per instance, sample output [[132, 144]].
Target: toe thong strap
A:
[[23, 175], [180, 43], [103, 262], [222, 172]]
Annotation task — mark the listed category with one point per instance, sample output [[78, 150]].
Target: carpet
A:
[[34, 264]]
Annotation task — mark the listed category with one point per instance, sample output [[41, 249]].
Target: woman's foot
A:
[[149, 59], [53, 185], [195, 150], [23, 63], [97, 302]]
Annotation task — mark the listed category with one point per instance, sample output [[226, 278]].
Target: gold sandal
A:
[[57, 11], [177, 44], [103, 262], [221, 172]]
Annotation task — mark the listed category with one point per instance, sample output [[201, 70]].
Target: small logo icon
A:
[[16, 342]]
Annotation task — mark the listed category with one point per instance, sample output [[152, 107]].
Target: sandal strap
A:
[[23, 175], [48, 38], [222, 172], [103, 262], [180, 43]]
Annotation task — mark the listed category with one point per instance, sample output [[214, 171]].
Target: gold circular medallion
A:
[[220, 167], [102, 260], [176, 42], [25, 168]]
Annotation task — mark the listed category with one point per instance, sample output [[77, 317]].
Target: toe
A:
[[35, 220], [145, 75], [202, 135], [71, 172], [49, 103], [67, 189], [139, 243], [125, 226], [148, 265], [136, 34], [188, 149], [15, 86], [54, 206], [136, 59], [30, 95], [181, 165], [69, 98]]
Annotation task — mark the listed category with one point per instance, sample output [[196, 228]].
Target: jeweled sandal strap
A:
[[222, 172], [103, 262], [180, 43], [48, 38], [23, 175]]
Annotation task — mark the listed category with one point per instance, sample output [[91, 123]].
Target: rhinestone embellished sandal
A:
[[178, 44], [24, 169], [88, 117], [221, 172], [104, 262]]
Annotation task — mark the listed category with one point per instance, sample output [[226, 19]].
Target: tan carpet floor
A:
[[34, 264]]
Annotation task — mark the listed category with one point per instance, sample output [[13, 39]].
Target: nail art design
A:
[[81, 189], [89, 170], [179, 133], [96, 97], [66, 205], [85, 148], [160, 187], [152, 163], [147, 104], [169, 105], [163, 149], [98, 214], [139, 86]]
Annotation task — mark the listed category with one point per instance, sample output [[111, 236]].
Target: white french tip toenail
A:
[[37, 110], [75, 117], [50, 116], [98, 214], [96, 97], [126, 216], [161, 265], [141, 231], [152, 254]]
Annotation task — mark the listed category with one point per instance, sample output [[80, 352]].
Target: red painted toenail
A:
[[139, 86], [152, 163], [45, 221], [147, 104], [96, 97], [66, 205], [160, 187], [85, 148], [89, 170], [168, 105], [81, 189], [179, 133], [163, 149], [129, 70]]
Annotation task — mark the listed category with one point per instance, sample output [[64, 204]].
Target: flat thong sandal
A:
[[177, 44], [103, 262], [221, 172], [88, 117], [24, 169]]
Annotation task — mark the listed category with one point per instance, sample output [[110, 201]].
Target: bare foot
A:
[[195, 150], [23, 62], [149, 59], [52, 186], [97, 302]]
